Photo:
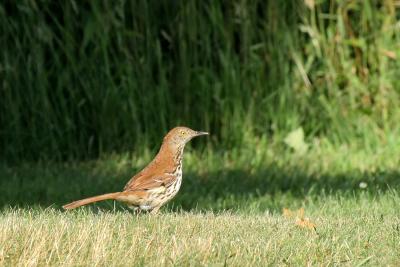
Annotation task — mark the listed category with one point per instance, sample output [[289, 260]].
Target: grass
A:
[[228, 212], [351, 232], [79, 80]]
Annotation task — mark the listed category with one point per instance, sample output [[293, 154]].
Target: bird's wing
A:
[[157, 174], [149, 181]]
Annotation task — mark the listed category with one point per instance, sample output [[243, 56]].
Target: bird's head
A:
[[179, 136]]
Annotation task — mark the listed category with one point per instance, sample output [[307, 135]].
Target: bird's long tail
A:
[[89, 200]]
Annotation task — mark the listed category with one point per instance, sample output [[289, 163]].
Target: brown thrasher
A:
[[157, 183]]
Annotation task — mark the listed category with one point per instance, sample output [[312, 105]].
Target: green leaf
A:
[[295, 140]]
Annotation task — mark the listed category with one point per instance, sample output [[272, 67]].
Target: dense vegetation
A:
[[79, 79]]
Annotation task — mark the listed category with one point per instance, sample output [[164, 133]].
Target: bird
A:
[[158, 182]]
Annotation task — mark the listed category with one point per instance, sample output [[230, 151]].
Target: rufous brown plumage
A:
[[157, 183]]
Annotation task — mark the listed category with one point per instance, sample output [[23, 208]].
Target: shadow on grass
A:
[[270, 188]]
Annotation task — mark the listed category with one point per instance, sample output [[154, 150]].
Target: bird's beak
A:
[[201, 133]]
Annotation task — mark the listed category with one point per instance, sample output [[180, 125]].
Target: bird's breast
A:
[[173, 189]]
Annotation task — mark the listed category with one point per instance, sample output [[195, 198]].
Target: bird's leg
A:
[[155, 210], [136, 210]]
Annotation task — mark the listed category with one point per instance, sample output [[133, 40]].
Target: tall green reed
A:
[[79, 79]]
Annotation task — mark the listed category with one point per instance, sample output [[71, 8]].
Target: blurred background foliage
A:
[[79, 79]]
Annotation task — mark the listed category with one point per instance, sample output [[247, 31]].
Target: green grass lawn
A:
[[228, 212], [353, 231]]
